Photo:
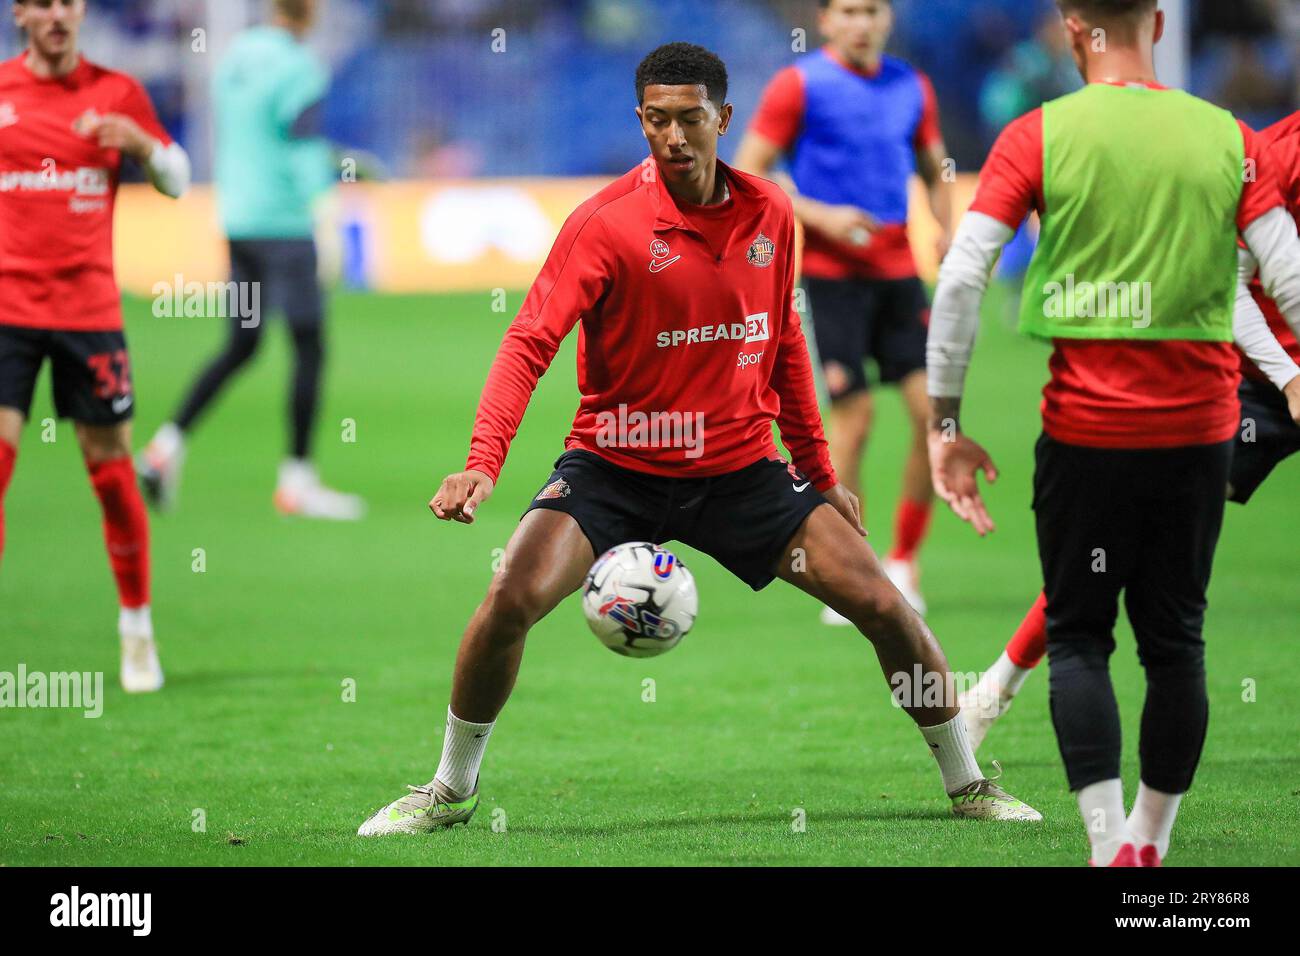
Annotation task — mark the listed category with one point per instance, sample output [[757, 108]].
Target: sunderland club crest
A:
[[761, 252]]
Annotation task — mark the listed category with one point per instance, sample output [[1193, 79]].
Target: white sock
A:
[[1102, 807], [1007, 676], [297, 474], [1152, 819], [135, 622], [168, 439], [951, 749], [462, 752]]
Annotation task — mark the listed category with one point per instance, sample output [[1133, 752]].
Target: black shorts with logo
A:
[[92, 373], [743, 519], [1276, 437], [856, 319]]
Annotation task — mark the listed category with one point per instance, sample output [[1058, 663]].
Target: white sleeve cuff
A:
[[169, 169], [955, 314]]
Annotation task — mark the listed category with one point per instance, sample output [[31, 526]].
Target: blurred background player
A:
[[1141, 410], [271, 167], [67, 125], [657, 261], [853, 125], [1269, 434]]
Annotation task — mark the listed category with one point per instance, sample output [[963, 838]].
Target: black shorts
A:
[[285, 273], [743, 519], [1273, 435], [856, 319], [92, 373]]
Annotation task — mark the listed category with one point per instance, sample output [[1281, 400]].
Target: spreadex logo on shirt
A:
[[83, 181], [753, 329]]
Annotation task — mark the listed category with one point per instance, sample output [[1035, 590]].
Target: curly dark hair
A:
[[683, 64]]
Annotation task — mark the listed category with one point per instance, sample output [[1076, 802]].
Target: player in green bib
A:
[[1142, 193], [271, 168]]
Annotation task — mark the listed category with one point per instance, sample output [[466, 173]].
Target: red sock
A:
[[911, 521], [126, 528], [8, 453], [1028, 645]]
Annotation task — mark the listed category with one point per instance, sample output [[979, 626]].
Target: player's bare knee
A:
[[100, 443], [512, 605], [875, 607]]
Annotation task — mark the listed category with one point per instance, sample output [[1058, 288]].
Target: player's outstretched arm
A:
[[955, 459], [460, 494], [574, 278]]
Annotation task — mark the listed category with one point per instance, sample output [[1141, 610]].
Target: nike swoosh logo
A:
[[661, 266], [802, 487], [121, 404]]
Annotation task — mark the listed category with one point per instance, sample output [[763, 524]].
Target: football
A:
[[639, 599]]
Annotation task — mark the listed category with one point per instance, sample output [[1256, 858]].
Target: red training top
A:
[[1281, 142], [689, 346], [1124, 394], [57, 189]]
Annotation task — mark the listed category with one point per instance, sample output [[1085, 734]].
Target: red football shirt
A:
[[779, 119], [57, 189], [1282, 143], [682, 326], [1124, 394]]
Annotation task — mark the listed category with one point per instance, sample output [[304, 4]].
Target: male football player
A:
[[853, 125], [65, 126], [272, 165], [681, 276], [1268, 435], [1134, 282]]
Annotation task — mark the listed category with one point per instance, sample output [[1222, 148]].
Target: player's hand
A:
[[460, 495], [846, 503], [117, 131], [1292, 393], [847, 224], [955, 463]]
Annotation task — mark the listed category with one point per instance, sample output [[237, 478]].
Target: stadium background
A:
[[761, 713]]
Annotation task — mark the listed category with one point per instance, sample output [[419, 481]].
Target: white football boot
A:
[[158, 467], [423, 810], [300, 492], [906, 576], [985, 800], [141, 672]]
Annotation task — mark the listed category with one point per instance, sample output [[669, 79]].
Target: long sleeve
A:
[[955, 314], [800, 418], [574, 278], [1273, 243], [1253, 336]]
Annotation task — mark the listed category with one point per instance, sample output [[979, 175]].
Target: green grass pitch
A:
[[761, 716]]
